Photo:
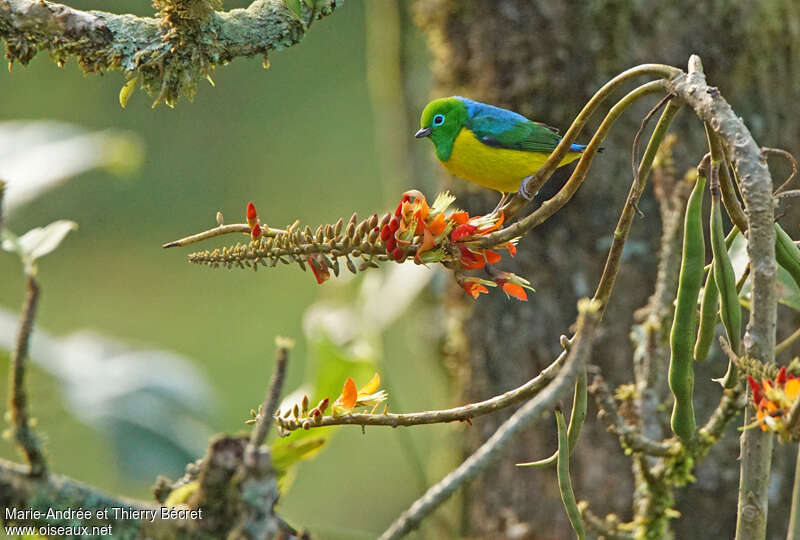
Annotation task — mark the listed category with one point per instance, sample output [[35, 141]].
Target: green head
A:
[[441, 120]]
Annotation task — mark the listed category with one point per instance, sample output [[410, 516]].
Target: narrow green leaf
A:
[[295, 7]]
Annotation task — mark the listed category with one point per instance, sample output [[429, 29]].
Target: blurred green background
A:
[[298, 139]]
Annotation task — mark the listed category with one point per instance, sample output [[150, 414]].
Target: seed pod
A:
[[708, 318], [725, 278], [681, 368], [564, 481]]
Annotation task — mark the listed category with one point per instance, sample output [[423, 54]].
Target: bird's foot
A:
[[500, 203], [523, 189]]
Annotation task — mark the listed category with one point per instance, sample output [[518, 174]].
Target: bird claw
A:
[[523, 189]]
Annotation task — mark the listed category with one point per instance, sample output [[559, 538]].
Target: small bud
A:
[[350, 265], [386, 232], [384, 220], [252, 215], [337, 229], [317, 418], [307, 424], [296, 411], [305, 404], [398, 254], [255, 232], [220, 221], [328, 232], [390, 244], [353, 219], [323, 405], [394, 224], [372, 237], [373, 221]]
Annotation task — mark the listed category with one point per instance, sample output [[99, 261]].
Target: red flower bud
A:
[[758, 392], [394, 224], [386, 232], [398, 254], [255, 232], [390, 244], [781, 379], [252, 215], [399, 209]]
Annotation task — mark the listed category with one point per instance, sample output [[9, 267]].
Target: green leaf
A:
[[788, 291], [295, 7]]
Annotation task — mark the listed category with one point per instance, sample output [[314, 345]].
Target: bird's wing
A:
[[514, 134]]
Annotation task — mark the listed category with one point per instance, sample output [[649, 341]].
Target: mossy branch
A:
[[167, 54]]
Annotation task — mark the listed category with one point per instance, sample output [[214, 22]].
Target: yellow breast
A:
[[494, 168]]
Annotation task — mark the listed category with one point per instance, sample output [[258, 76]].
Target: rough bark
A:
[[544, 60]]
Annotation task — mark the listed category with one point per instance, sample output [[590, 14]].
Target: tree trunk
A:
[[544, 60]]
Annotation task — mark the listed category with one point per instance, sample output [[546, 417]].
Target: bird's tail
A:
[[581, 148]]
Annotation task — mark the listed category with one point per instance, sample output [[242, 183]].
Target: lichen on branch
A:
[[166, 55]]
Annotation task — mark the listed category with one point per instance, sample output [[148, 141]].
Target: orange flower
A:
[[474, 286], [512, 284], [773, 400], [367, 396]]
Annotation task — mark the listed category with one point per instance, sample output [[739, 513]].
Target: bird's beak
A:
[[424, 132]]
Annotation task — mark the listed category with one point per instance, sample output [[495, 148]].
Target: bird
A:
[[489, 146]]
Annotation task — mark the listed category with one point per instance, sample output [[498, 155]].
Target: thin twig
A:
[[630, 435], [512, 397], [611, 268], [601, 528], [489, 451], [24, 434], [794, 512], [271, 402], [783, 153], [783, 345], [219, 231], [635, 146]]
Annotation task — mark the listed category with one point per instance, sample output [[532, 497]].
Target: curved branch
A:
[[588, 317], [169, 54], [512, 397]]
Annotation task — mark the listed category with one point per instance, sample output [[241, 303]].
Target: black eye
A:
[[438, 120]]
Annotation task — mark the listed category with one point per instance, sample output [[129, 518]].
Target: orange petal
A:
[[349, 394], [427, 242], [491, 256], [372, 386], [459, 217], [495, 225], [437, 225], [792, 389], [512, 289]]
